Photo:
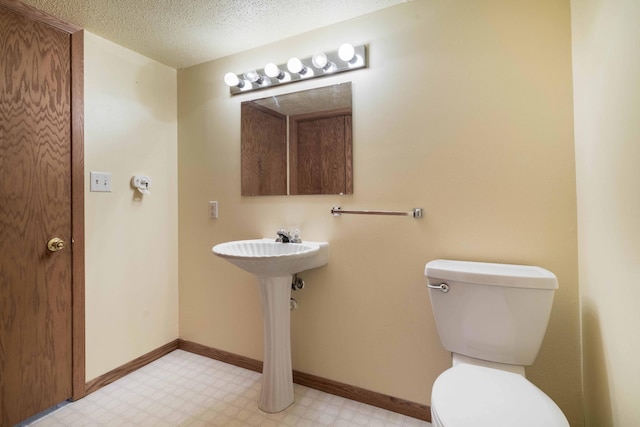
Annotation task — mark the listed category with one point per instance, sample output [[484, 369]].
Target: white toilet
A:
[[492, 317]]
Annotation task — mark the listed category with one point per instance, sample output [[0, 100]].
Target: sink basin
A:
[[274, 264], [265, 257]]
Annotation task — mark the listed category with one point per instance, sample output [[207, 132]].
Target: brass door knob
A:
[[55, 244]]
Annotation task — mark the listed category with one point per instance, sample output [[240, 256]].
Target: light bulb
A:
[[232, 80], [347, 52], [320, 60], [252, 76], [295, 66], [273, 71]]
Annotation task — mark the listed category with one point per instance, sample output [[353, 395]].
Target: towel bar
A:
[[337, 211]]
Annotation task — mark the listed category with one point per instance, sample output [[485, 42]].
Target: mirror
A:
[[298, 143]]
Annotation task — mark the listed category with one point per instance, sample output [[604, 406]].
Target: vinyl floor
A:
[[185, 389]]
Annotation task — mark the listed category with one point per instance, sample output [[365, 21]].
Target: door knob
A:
[[55, 244]]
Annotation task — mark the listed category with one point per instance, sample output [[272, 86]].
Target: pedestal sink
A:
[[274, 264]]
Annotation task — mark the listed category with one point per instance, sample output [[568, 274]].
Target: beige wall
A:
[[606, 36], [131, 252], [465, 111]]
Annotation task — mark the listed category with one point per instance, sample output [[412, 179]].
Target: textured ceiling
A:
[[181, 33]]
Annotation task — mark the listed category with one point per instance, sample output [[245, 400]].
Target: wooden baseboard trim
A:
[[223, 356], [394, 404], [128, 368]]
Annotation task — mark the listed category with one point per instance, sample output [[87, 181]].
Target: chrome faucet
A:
[[285, 236]]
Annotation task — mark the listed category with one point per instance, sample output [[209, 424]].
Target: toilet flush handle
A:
[[442, 287]]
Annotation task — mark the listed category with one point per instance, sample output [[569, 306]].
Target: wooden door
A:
[[320, 152], [35, 206], [263, 151]]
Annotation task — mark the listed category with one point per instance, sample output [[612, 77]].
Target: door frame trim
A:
[[77, 216], [77, 187]]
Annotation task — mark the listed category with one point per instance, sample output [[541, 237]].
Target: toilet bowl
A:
[[492, 317], [477, 396]]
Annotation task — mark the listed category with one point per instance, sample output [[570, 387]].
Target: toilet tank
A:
[[493, 312]]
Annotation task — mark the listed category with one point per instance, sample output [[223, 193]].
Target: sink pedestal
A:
[[277, 377], [274, 264]]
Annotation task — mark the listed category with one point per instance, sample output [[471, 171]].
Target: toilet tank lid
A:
[[508, 275]]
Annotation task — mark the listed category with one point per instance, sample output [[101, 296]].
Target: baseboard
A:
[[394, 404], [128, 368], [223, 356]]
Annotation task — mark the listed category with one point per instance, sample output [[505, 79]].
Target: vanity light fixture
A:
[[346, 58]]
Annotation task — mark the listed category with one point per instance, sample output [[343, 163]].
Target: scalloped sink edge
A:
[[265, 257]]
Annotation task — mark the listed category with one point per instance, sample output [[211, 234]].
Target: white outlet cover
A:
[[213, 209]]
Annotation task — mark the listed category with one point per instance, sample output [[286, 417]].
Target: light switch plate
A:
[[100, 181]]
